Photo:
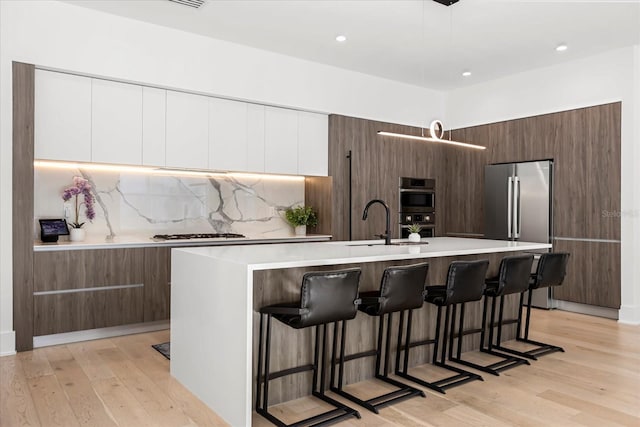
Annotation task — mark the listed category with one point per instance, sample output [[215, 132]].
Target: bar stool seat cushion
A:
[[437, 295]]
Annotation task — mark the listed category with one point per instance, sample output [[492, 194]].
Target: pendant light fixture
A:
[[436, 130]]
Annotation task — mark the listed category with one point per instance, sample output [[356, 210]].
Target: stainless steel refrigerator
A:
[[518, 205]]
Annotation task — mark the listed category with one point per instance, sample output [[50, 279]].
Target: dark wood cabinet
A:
[[157, 278], [87, 289], [593, 273]]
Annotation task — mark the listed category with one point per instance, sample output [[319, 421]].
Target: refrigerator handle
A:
[[516, 208], [509, 205]]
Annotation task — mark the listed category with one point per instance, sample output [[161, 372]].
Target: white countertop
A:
[[120, 242], [332, 253]]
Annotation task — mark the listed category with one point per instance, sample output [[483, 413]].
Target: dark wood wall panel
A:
[[157, 289], [57, 313], [22, 199], [377, 164], [317, 193], [593, 273], [86, 269]]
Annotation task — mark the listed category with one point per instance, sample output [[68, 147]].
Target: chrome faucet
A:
[[387, 234]]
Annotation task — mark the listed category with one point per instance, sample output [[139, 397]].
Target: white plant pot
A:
[[301, 230], [414, 237], [77, 234]]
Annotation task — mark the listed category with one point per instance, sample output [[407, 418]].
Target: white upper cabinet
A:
[[313, 144], [62, 116], [281, 141], [227, 135], [116, 122], [187, 130], [255, 138], [154, 108]]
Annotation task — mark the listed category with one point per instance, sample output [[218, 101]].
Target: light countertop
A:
[[332, 253], [132, 241]]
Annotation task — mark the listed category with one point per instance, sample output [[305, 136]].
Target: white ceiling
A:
[[417, 42]]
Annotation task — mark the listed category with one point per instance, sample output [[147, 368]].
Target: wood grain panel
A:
[[593, 273], [283, 285], [22, 204], [85, 269], [157, 289], [603, 130], [378, 162], [56, 313], [317, 193]]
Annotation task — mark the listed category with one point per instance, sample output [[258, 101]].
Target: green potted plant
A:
[[301, 216], [414, 230]]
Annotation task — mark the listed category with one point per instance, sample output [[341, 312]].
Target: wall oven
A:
[[417, 205]]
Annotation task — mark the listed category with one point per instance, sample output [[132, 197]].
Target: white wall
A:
[[608, 77], [68, 37]]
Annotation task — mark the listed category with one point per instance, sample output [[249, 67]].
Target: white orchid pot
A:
[[77, 234], [301, 230]]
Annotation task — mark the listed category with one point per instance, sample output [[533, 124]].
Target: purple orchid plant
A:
[[81, 189]]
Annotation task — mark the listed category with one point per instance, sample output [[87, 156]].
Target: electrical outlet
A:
[[67, 212]]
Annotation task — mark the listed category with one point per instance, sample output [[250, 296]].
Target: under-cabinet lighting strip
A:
[[158, 171], [424, 138]]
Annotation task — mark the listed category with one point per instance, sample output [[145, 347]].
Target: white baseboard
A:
[[96, 334], [629, 314], [7, 343], [591, 310]]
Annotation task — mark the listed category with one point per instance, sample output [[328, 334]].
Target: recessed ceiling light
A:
[[341, 38], [466, 73], [562, 47]]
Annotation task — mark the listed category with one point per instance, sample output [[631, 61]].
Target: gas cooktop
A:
[[197, 236]]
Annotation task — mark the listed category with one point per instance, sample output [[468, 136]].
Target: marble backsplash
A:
[[133, 204]]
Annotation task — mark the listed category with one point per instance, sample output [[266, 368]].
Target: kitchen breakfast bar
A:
[[216, 293]]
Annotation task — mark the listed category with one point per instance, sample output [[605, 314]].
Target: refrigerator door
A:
[[532, 201], [498, 201]]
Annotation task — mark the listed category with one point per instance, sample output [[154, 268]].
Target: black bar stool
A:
[[513, 278], [465, 283], [551, 271], [401, 289], [325, 297]]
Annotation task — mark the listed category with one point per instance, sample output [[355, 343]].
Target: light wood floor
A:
[[124, 382]]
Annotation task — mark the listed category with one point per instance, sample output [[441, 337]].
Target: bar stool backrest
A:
[[402, 288], [329, 296], [465, 281], [515, 272], [552, 268]]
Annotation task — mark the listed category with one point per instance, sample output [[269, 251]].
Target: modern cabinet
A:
[[88, 289], [255, 138], [281, 140], [77, 290], [96, 120], [116, 122], [313, 144], [157, 286], [187, 131], [154, 121], [62, 122], [228, 143]]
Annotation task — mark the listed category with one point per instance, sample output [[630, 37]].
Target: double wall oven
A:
[[417, 205]]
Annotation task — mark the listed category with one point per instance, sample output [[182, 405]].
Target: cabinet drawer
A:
[[80, 310], [87, 269]]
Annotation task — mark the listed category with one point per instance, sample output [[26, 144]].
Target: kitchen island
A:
[[216, 291]]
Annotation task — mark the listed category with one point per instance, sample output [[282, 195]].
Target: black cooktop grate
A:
[[197, 236]]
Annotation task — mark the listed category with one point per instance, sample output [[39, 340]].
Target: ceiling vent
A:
[[196, 4], [446, 2]]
